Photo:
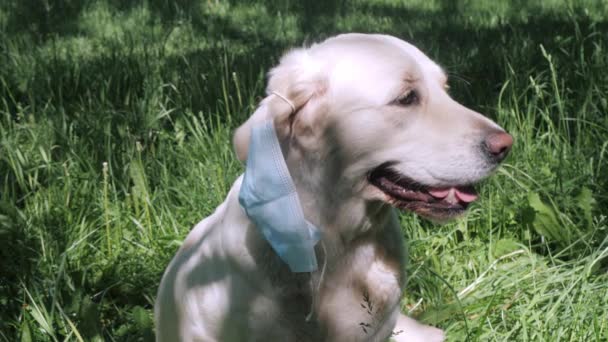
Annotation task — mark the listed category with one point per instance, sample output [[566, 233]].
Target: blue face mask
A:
[[270, 200]]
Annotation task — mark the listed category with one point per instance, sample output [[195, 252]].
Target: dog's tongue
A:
[[465, 194]]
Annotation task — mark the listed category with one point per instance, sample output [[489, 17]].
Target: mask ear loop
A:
[[312, 288], [293, 108]]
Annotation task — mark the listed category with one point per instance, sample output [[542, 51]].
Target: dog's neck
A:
[[329, 201]]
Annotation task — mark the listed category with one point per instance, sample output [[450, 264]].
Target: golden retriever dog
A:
[[365, 126]]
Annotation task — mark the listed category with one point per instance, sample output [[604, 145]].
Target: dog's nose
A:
[[498, 145]]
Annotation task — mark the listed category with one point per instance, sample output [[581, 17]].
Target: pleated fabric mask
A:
[[268, 196]]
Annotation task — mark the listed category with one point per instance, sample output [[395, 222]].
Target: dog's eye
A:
[[408, 99]]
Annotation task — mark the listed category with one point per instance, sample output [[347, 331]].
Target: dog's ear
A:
[[298, 78]]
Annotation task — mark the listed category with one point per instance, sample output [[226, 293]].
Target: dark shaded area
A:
[[17, 260], [466, 51], [42, 18]]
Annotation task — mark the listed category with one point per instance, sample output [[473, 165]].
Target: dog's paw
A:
[[434, 335], [419, 333]]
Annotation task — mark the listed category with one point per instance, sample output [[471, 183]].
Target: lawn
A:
[[115, 139]]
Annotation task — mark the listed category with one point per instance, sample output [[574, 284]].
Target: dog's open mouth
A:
[[438, 203]]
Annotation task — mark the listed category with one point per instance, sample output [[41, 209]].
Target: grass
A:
[[115, 127]]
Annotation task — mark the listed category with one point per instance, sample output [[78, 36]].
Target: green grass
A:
[[115, 129]]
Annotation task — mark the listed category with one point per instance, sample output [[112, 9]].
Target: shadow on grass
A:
[[475, 54]]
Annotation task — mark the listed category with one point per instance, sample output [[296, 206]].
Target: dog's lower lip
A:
[[433, 203], [402, 193], [440, 211]]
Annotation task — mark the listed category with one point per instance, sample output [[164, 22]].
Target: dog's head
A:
[[373, 120]]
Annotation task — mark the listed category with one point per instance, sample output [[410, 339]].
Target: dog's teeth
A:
[[451, 197]]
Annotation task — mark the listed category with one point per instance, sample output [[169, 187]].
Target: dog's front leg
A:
[[365, 310]]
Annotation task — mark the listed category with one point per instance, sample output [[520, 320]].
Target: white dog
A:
[[372, 127]]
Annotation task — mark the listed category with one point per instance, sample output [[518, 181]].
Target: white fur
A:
[[226, 284]]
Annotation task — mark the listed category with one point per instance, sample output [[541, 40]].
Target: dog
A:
[[365, 126]]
